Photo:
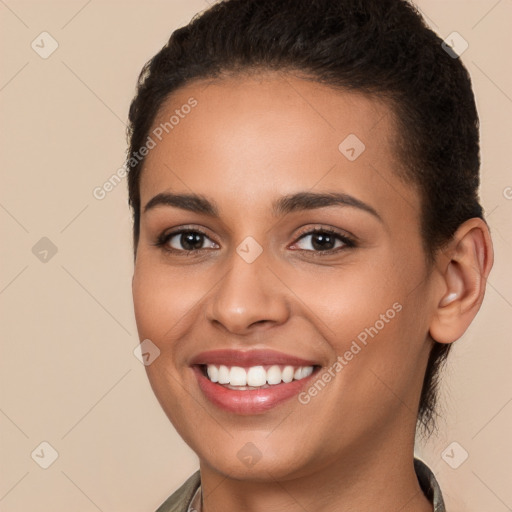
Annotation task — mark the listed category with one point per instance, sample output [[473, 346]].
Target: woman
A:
[[308, 244]]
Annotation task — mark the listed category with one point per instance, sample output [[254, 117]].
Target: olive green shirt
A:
[[188, 497]]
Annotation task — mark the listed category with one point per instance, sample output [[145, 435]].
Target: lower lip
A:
[[254, 401]]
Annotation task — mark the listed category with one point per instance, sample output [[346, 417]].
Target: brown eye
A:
[[185, 241], [324, 241], [188, 240]]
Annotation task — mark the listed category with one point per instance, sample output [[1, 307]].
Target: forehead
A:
[[256, 137]]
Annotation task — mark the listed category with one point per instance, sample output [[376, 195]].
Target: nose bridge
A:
[[249, 292]]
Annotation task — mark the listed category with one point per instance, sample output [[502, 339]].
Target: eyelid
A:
[[166, 235], [348, 240], [328, 229], [185, 228]]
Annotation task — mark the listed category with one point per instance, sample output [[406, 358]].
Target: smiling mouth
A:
[[254, 377]]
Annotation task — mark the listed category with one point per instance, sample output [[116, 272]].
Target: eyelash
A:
[[164, 238]]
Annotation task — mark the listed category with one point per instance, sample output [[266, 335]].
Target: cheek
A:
[[162, 299], [372, 319], [345, 302]]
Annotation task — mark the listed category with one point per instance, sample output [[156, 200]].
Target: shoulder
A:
[[429, 485], [180, 499]]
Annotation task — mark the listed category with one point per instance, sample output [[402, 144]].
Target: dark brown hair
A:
[[379, 47]]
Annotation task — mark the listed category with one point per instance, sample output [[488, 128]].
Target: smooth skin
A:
[[249, 141]]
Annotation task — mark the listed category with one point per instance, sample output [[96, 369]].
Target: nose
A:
[[250, 297]]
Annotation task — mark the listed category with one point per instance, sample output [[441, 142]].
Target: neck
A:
[[380, 477]]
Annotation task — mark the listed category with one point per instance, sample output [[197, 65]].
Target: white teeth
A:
[[213, 373], [256, 376], [237, 376], [223, 374], [307, 371], [288, 373], [274, 375]]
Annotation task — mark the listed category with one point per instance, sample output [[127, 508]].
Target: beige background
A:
[[68, 373]]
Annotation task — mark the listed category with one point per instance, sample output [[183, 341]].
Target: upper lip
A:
[[247, 358]]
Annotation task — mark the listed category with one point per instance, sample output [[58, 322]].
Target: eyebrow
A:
[[284, 205]]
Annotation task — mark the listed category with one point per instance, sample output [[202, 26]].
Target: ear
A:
[[464, 266]]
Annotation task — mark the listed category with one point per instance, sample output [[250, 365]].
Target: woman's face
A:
[[258, 289]]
